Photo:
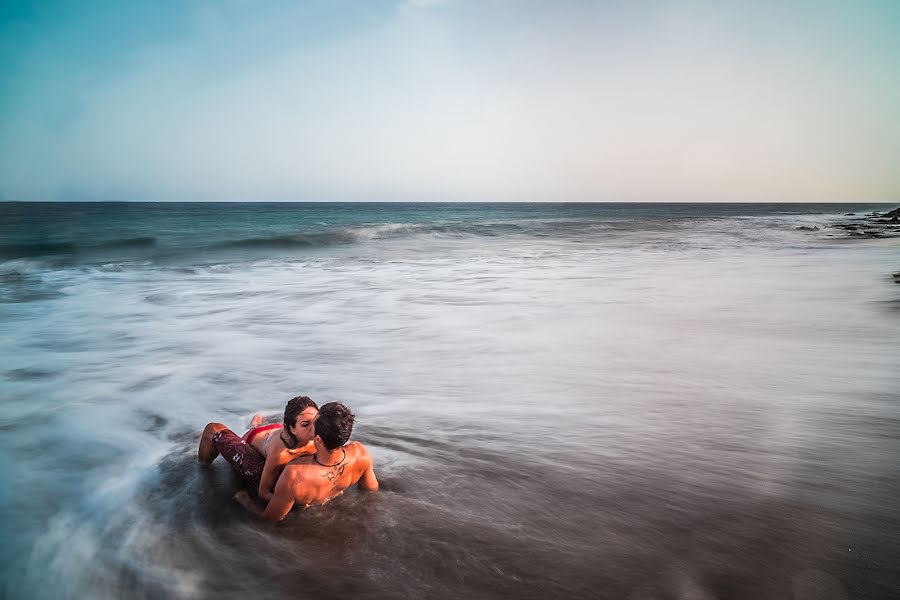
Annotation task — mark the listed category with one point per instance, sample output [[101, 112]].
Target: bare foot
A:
[[244, 499], [256, 421]]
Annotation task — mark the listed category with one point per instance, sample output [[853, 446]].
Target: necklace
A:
[[316, 458]]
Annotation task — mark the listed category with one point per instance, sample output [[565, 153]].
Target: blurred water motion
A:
[[560, 404]]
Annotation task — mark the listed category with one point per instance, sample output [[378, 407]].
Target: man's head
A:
[[334, 425], [298, 417]]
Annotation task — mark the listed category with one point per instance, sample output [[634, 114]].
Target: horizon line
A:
[[560, 202]]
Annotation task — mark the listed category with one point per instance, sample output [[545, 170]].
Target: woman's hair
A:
[[294, 407]]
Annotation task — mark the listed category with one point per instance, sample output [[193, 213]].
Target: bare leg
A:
[[256, 421], [207, 452]]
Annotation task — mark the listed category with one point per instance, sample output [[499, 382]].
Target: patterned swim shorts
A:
[[246, 460]]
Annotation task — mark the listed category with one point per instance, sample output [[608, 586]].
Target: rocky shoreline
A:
[[873, 225]]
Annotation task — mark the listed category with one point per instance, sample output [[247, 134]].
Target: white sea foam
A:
[[542, 411]]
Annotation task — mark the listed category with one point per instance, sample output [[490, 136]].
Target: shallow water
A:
[[657, 401]]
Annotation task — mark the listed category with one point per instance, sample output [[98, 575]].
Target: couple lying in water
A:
[[306, 460]]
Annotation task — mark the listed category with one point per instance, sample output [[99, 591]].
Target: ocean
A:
[[637, 401]]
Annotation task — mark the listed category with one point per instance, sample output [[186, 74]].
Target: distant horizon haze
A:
[[464, 202], [449, 100]]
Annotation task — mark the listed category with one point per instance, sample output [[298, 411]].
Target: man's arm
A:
[[283, 499], [367, 481]]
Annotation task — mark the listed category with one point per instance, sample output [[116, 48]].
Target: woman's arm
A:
[[277, 457], [271, 471]]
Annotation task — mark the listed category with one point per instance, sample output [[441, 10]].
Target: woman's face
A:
[[303, 429]]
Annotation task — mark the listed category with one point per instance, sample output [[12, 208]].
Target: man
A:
[[316, 479]]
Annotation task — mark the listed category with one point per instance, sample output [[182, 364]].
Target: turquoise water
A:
[[206, 232], [623, 401]]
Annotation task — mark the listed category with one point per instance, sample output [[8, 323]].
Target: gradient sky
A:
[[450, 100]]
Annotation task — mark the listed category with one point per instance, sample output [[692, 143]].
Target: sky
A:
[[430, 100]]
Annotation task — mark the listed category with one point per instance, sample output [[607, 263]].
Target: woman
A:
[[260, 455]]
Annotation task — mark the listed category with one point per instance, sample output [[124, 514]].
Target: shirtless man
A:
[[316, 479]]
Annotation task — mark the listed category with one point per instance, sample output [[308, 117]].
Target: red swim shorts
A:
[[246, 460]]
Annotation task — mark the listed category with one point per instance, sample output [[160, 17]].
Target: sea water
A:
[[562, 400]]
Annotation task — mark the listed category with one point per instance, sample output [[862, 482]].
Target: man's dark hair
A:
[[294, 407], [334, 424]]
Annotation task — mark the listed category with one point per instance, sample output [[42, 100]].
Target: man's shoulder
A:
[[360, 453], [358, 448]]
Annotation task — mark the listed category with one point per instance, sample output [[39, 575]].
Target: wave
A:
[[206, 244], [209, 244], [69, 248], [345, 235], [374, 232], [36, 249], [21, 281], [42, 255]]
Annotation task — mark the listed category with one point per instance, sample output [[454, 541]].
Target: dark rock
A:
[[806, 228], [850, 215], [893, 213]]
